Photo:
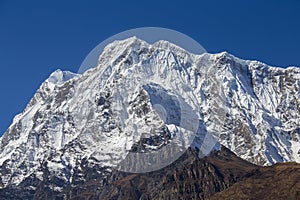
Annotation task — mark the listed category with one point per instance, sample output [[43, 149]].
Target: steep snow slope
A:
[[143, 98]]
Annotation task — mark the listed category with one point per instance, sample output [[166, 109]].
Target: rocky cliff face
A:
[[145, 98], [188, 178], [221, 175]]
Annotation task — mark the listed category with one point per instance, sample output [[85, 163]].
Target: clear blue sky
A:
[[36, 37]]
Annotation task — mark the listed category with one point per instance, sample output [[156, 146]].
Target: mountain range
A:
[[153, 121]]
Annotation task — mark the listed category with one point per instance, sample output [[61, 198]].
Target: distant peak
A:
[[224, 54], [136, 43], [59, 77], [129, 42], [164, 44]]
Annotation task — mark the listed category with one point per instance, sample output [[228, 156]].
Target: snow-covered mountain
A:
[[142, 97]]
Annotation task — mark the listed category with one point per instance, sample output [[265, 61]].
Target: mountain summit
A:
[[143, 97]]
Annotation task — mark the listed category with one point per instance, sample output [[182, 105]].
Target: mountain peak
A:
[[59, 77]]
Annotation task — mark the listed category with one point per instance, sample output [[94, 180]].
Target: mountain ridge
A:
[[252, 107]]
